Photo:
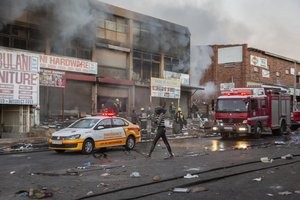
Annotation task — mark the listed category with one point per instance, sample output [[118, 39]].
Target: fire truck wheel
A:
[[257, 130], [130, 143], [282, 129], [88, 146]]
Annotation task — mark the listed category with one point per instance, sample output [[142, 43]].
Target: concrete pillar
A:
[[21, 119]]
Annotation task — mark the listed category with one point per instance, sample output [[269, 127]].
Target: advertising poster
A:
[[165, 88], [19, 78], [51, 78]]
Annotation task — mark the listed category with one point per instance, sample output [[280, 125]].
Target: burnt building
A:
[[82, 55], [242, 66]]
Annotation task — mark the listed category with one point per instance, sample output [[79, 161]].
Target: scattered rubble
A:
[[181, 190], [135, 174], [287, 157], [191, 176], [285, 193], [156, 178], [266, 160], [257, 179]]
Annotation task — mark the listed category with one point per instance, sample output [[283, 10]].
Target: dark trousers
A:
[[161, 133]]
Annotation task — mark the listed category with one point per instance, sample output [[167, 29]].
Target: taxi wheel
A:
[[88, 146], [130, 143]]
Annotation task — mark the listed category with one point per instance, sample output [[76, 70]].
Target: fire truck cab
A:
[[251, 111]]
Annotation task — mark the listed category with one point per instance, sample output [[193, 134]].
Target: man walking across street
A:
[[161, 131]]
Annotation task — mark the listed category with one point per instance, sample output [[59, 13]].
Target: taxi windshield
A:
[[84, 123]]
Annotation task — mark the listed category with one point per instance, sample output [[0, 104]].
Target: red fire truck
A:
[[295, 117], [251, 111]]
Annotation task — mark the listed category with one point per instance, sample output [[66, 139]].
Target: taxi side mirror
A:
[[99, 127]]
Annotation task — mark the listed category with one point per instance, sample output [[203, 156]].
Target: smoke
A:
[[269, 25], [201, 59], [62, 20]]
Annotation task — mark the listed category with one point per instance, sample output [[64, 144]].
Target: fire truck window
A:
[[254, 104], [263, 104]]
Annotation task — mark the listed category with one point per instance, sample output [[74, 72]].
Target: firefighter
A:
[[143, 118], [179, 118], [161, 131]]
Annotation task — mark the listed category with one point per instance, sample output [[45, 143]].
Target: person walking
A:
[[161, 131]]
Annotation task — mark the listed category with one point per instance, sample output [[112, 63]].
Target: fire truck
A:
[[295, 116], [251, 111]]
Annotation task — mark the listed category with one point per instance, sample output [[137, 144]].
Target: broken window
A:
[[22, 38], [145, 65]]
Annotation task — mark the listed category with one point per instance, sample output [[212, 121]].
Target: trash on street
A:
[[39, 193], [287, 157], [135, 174], [266, 160], [191, 176], [257, 179], [12, 172], [279, 142], [183, 190], [156, 178], [285, 193]]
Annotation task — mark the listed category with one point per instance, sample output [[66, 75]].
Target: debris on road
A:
[[297, 191], [181, 190], [266, 160], [105, 174], [21, 146], [270, 195], [279, 143], [135, 174], [199, 189], [89, 193], [156, 178], [191, 176], [22, 193], [287, 157], [285, 193], [39, 193], [257, 179], [12, 172]]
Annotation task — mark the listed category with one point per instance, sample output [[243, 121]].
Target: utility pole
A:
[[295, 83]]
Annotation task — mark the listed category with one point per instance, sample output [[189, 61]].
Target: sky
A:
[[270, 25]]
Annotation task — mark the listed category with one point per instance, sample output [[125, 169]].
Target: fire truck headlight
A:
[[214, 128], [221, 124], [242, 129]]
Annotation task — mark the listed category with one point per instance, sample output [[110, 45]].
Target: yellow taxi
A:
[[89, 133]]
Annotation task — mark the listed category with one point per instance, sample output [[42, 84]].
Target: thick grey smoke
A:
[[270, 25], [63, 21]]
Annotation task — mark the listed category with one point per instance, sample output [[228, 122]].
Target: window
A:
[[22, 38], [145, 65], [75, 49], [106, 123], [119, 122], [112, 28]]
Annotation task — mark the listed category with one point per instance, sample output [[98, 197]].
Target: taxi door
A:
[[117, 131], [100, 135]]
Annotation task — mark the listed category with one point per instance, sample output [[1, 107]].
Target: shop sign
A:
[[184, 78], [259, 62], [226, 86], [19, 78], [68, 64], [165, 88], [51, 78]]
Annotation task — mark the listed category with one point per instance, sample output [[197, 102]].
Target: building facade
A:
[[84, 54], [243, 66]]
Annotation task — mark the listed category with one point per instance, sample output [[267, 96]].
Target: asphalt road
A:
[[225, 170]]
